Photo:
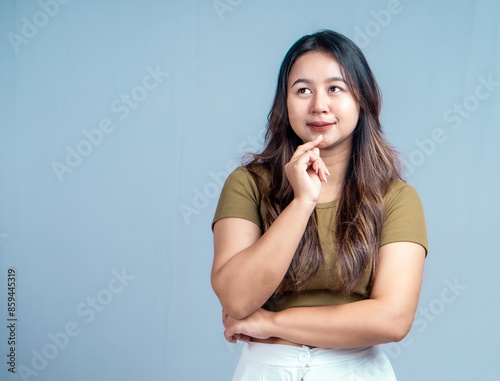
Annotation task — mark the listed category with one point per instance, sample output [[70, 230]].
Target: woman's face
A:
[[319, 101]]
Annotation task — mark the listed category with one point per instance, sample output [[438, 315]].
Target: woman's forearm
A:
[[357, 324], [245, 282]]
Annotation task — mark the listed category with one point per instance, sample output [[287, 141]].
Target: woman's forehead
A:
[[316, 65]]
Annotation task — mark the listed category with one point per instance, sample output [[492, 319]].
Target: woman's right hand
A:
[[306, 170]]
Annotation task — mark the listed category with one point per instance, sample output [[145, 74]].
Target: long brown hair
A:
[[373, 166]]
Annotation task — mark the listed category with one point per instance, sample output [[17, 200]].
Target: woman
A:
[[319, 244]]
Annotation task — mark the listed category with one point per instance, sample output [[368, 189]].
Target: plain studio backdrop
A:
[[119, 123]]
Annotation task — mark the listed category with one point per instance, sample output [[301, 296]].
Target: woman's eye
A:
[[304, 90], [335, 89]]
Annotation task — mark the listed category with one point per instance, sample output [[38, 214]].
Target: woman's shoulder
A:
[[240, 197], [398, 187], [247, 179], [400, 192], [404, 216], [249, 172], [239, 172]]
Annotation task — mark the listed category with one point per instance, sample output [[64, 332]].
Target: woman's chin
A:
[[325, 144]]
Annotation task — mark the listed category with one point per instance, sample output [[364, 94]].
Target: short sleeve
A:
[[404, 216], [240, 197]]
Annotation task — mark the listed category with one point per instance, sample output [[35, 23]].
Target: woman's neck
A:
[[336, 161]]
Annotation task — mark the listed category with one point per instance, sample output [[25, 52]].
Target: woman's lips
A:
[[320, 126]]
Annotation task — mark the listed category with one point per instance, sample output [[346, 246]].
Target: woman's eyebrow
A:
[[335, 79], [308, 81]]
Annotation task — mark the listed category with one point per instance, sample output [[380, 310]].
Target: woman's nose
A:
[[320, 103]]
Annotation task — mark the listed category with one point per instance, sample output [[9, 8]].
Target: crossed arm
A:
[[386, 317]]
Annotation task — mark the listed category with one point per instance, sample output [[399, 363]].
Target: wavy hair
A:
[[373, 166]]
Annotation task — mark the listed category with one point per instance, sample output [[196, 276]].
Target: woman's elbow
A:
[[233, 306], [236, 310], [399, 334], [399, 328]]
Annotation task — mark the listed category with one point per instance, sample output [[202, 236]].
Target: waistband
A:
[[286, 355]]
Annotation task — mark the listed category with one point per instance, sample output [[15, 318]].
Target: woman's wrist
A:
[[270, 327], [303, 204]]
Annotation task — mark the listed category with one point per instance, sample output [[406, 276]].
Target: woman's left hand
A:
[[255, 325]]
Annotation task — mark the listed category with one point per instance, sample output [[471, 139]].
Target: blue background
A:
[[113, 251]]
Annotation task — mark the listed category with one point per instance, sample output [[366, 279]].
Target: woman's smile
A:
[[320, 126]]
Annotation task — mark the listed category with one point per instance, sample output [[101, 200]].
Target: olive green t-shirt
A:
[[403, 221]]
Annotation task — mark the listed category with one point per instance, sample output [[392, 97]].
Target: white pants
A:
[[275, 362]]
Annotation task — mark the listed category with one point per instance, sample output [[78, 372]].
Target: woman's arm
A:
[[386, 317], [248, 266]]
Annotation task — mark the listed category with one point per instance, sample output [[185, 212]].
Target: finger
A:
[[308, 158], [325, 173], [306, 147], [229, 338], [311, 161], [322, 175], [320, 163], [245, 338], [315, 161], [321, 170], [315, 166]]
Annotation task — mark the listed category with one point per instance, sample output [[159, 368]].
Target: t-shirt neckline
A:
[[325, 205]]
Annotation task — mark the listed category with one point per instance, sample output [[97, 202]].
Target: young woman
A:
[[319, 243]]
